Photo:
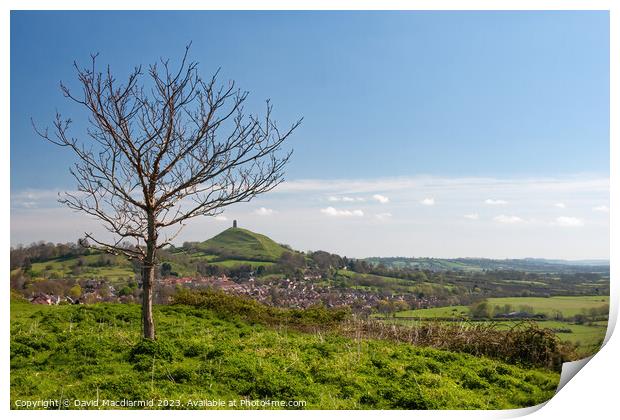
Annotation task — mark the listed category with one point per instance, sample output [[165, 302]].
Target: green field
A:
[[381, 283], [85, 351], [62, 268], [439, 312], [586, 337], [567, 305]]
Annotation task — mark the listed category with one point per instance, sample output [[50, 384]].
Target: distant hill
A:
[[242, 244], [533, 265]]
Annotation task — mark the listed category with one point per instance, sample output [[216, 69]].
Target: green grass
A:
[[439, 312], [236, 263], [568, 305], [587, 338], [62, 268], [85, 351], [380, 283], [237, 243]]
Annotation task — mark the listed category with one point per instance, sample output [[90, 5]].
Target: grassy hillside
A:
[[231, 248], [242, 244], [89, 351], [117, 268]]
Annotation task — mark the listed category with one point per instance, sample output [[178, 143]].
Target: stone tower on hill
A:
[[234, 223]]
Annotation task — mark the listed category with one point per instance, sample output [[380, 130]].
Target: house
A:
[[44, 299]]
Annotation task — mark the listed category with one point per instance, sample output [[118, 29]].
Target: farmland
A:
[[586, 336], [568, 306]]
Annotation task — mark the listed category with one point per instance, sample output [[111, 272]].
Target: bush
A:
[[18, 349], [36, 342], [525, 344], [232, 307], [88, 347], [182, 374], [144, 354]]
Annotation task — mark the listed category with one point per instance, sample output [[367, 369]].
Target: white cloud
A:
[[346, 199], [502, 218], [492, 202], [330, 211], [383, 216], [569, 221], [381, 198], [27, 204], [441, 230], [263, 211], [560, 205], [429, 201], [499, 185], [472, 216], [221, 218]]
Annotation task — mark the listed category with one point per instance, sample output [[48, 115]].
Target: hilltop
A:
[[234, 247], [242, 244]]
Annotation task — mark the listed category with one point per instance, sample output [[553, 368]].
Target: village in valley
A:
[[243, 263]]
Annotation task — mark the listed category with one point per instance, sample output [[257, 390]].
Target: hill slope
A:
[[243, 244], [202, 355]]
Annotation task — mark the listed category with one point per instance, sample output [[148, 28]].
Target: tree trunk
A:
[[148, 278]]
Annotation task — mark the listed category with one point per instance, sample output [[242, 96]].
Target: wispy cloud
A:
[[330, 211], [413, 229], [264, 211], [429, 201], [383, 216], [502, 218], [221, 218], [569, 221], [560, 205], [32, 198], [503, 185], [345, 199], [492, 202], [381, 198]]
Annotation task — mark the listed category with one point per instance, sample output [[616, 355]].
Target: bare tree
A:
[[158, 154]]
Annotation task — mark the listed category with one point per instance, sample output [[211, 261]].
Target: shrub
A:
[[18, 349], [36, 342], [147, 352], [182, 374], [232, 307], [526, 343]]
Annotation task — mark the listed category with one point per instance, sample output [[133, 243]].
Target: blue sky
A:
[[395, 104]]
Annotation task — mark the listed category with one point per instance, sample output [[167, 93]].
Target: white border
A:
[[592, 394]]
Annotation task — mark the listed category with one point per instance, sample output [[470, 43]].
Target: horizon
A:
[[180, 245], [425, 133]]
